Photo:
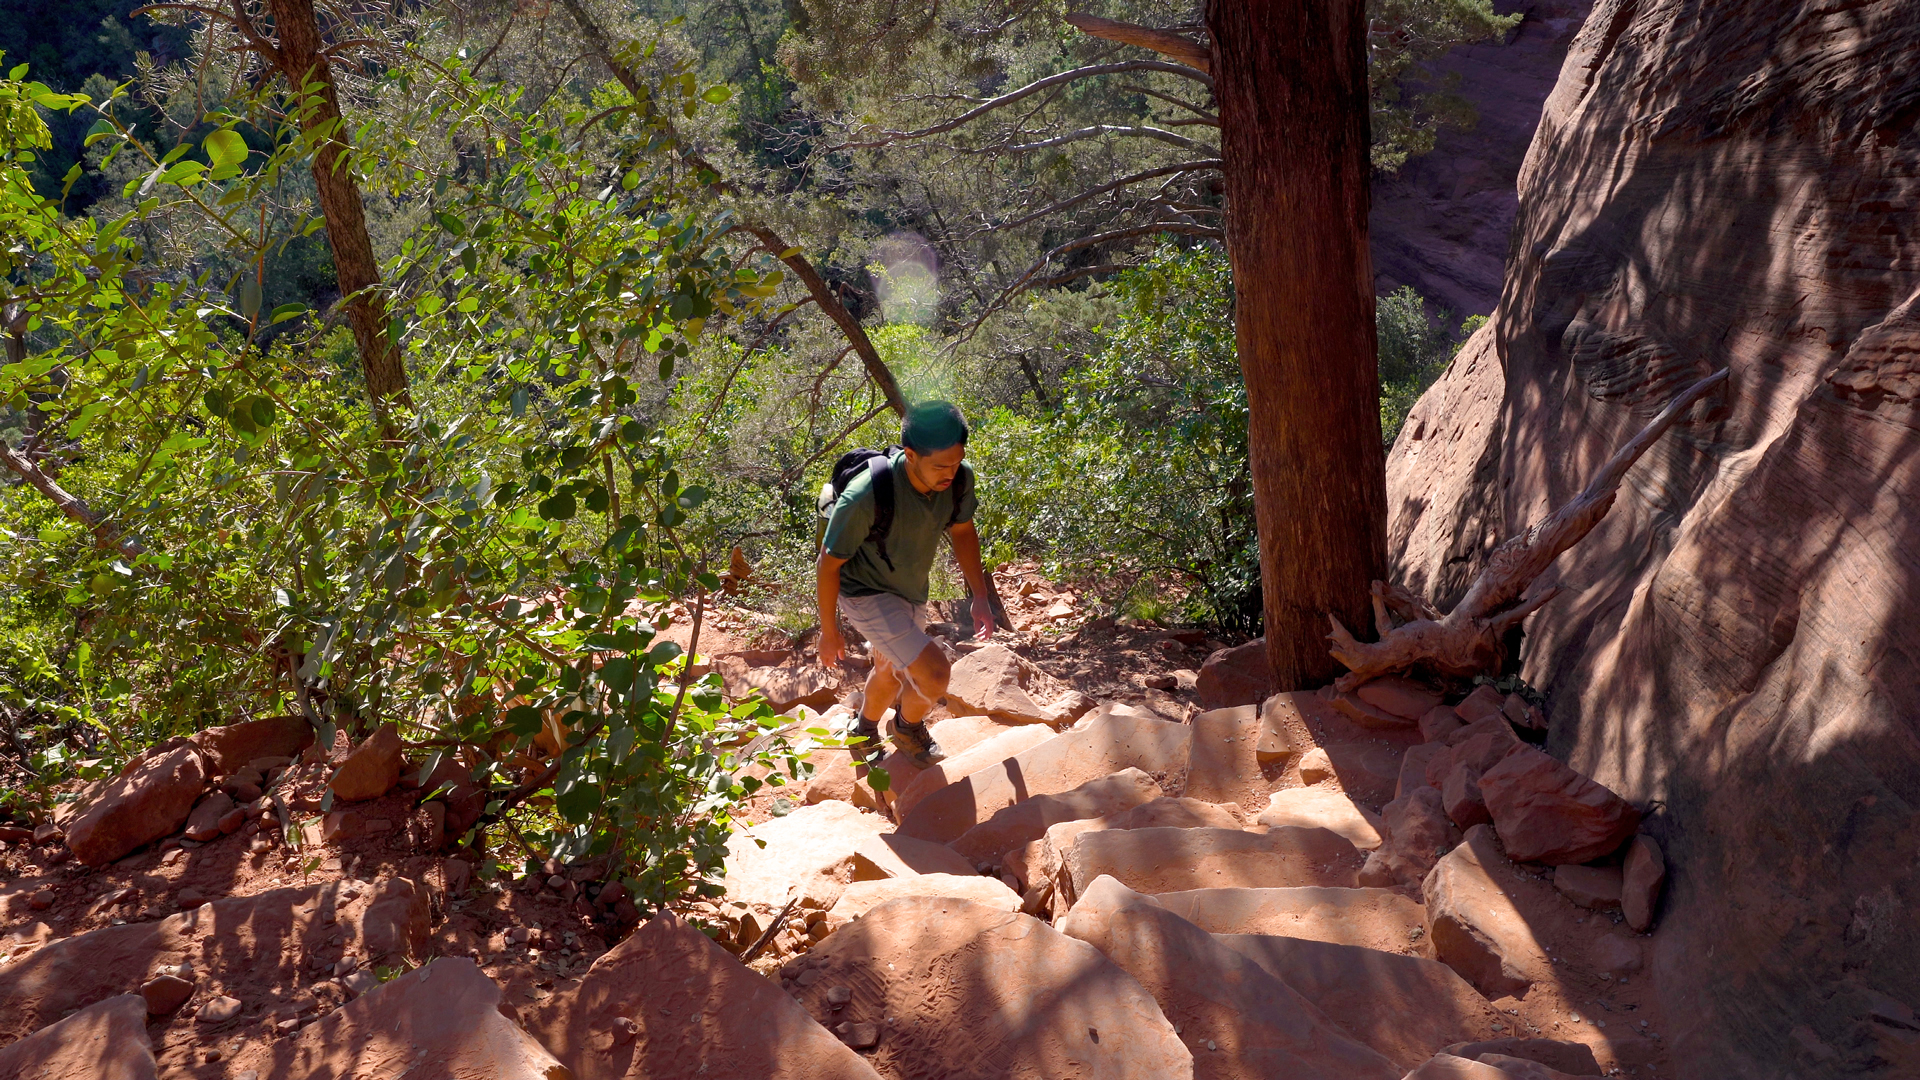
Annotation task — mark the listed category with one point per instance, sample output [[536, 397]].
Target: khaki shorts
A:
[[895, 626]]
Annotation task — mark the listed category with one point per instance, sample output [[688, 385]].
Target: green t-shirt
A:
[[918, 522]]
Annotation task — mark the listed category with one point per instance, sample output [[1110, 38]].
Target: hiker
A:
[[875, 571]]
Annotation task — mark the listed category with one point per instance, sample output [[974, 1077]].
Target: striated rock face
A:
[[1738, 645]]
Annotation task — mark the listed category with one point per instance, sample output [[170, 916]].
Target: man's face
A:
[[935, 470]]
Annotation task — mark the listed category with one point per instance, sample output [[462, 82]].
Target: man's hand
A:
[[831, 646], [982, 616]]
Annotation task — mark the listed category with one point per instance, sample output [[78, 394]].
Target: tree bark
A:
[[299, 58], [1291, 79]]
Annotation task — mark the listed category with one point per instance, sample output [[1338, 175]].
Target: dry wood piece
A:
[[1165, 42], [1469, 639]]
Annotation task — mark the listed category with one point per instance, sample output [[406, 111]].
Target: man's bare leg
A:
[[883, 686], [924, 683]]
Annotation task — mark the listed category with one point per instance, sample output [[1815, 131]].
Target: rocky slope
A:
[[1313, 886], [1723, 185]]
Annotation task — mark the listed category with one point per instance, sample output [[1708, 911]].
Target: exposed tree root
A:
[[1470, 639]]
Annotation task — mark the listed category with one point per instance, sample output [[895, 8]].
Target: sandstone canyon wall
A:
[[1723, 183], [1440, 224]]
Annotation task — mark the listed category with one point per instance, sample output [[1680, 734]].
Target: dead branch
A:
[[1094, 132], [888, 137], [1165, 42], [1069, 203], [70, 504], [1469, 640]]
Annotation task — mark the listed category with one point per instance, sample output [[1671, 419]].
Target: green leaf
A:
[[225, 147], [578, 803], [692, 497], [261, 409], [877, 778], [557, 507], [250, 297], [451, 223], [718, 94], [666, 366], [215, 401], [523, 719], [287, 311]]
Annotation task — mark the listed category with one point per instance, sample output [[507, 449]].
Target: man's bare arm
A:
[[827, 590], [966, 549]]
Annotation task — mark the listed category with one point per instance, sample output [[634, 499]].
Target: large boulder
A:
[[1226, 765], [1042, 863], [787, 683], [104, 1041], [150, 798], [964, 763], [230, 747], [1734, 639], [1028, 820], [1107, 745], [1416, 833], [1480, 917], [443, 1019], [995, 682], [1641, 878], [371, 769], [1237, 676], [809, 851], [890, 855], [1175, 860], [275, 931], [1406, 1007], [1379, 919], [668, 1002], [1546, 812], [1239, 1020], [956, 989]]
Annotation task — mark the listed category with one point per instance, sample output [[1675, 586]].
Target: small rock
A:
[[231, 821], [1460, 796], [48, 834], [1439, 722], [858, 1036], [1315, 766], [165, 994], [190, 898], [1241, 675], [218, 1010], [624, 1030], [519, 935], [204, 823], [838, 996], [233, 747], [15, 834], [40, 899], [458, 874], [1645, 872], [1596, 887], [372, 769], [1547, 812], [359, 982], [1400, 696], [1485, 701]]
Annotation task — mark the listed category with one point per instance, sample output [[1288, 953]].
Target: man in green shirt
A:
[[882, 587]]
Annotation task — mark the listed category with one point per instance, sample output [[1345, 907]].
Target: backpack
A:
[[879, 465]]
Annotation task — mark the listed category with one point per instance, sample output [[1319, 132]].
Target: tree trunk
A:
[[1291, 79], [300, 61]]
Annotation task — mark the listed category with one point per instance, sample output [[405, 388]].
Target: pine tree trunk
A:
[[1291, 79], [301, 62]]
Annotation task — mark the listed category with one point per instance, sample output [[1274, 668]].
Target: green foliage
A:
[[490, 569], [1414, 350]]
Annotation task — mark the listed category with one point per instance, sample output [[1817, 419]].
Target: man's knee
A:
[[931, 670]]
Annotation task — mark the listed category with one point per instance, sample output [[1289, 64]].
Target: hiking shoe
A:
[[870, 750], [916, 742]]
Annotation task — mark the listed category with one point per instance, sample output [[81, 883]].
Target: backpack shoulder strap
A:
[[880, 473], [962, 487]]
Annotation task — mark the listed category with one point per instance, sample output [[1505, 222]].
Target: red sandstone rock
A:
[[1417, 833], [1596, 887], [275, 930], [863, 896], [1173, 860], [994, 682], [232, 747], [1400, 696], [1405, 1007], [104, 1041], [787, 682], [1643, 875], [1324, 808], [1043, 862], [204, 822], [372, 769], [690, 1009], [1368, 716], [1448, 1067], [1107, 745], [1028, 820], [1237, 676], [1523, 1069], [1460, 796], [1569, 1057], [890, 855], [810, 849], [1413, 767], [1365, 918], [1239, 1020], [443, 1019], [978, 993], [965, 763], [1225, 763], [1485, 701], [960, 733], [1439, 722], [1546, 812], [1477, 917], [165, 993], [145, 802]]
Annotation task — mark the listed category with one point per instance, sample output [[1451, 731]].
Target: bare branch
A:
[[1165, 42], [1096, 131], [1171, 100], [70, 504], [1069, 203], [886, 138]]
